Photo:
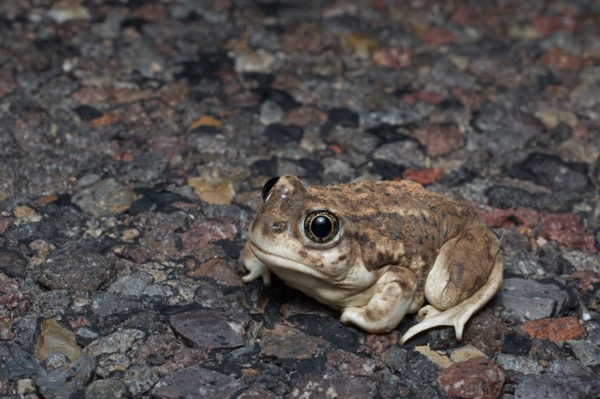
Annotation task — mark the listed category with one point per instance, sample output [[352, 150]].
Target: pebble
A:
[[437, 358], [7, 83], [270, 112], [191, 381], [586, 95], [87, 112], [349, 363], [205, 121], [109, 364], [333, 385], [108, 303], [337, 170], [211, 329], [361, 44], [213, 191], [259, 61], [219, 270], [65, 10], [465, 353], [583, 261], [284, 342], [394, 358], [397, 116], [519, 260], [104, 198], [504, 132], [139, 379], [66, 381], [54, 361], [350, 139], [567, 229], [586, 352], [278, 135], [439, 140], [256, 391], [147, 169], [519, 364], [405, 152], [106, 389], [486, 332], [563, 379], [474, 378], [556, 330], [132, 285], [304, 116], [204, 232], [23, 387], [12, 263], [54, 337], [424, 176], [343, 117], [25, 214], [80, 271], [529, 300], [17, 363], [121, 341], [551, 171]]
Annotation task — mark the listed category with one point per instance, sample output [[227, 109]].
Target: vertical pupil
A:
[[321, 226]]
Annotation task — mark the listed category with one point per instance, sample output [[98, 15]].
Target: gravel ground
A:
[[135, 137]]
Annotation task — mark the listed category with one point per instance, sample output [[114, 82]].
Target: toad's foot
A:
[[458, 315]]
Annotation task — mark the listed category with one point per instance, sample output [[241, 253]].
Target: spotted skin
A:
[[400, 249]]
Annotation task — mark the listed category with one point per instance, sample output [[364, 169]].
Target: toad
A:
[[376, 251]]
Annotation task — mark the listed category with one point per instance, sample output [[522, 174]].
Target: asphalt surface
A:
[[136, 136]]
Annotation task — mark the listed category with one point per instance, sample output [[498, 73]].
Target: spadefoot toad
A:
[[376, 250]]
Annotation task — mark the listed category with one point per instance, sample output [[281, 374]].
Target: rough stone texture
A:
[[106, 197], [67, 381], [84, 271], [529, 300], [13, 264], [556, 330], [53, 338], [17, 363], [105, 389], [207, 329], [287, 343], [564, 379], [568, 230], [519, 364], [195, 381], [439, 140], [137, 135], [486, 332], [473, 378], [586, 352], [340, 385]]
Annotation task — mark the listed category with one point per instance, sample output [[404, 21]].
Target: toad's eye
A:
[[266, 191], [321, 226]]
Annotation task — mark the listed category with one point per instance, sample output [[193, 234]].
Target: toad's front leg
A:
[[393, 298], [255, 267]]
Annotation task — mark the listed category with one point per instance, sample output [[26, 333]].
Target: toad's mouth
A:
[[285, 267]]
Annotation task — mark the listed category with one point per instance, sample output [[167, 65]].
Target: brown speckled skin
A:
[[378, 267]]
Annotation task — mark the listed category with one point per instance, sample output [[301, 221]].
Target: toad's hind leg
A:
[[465, 276]]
